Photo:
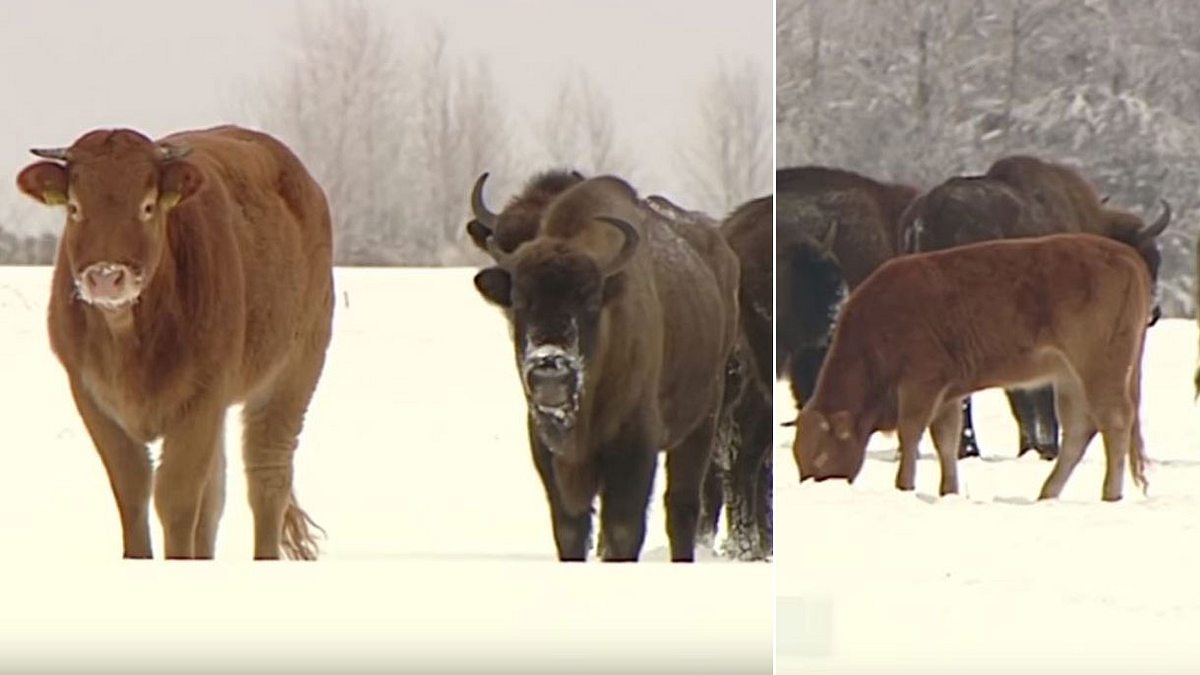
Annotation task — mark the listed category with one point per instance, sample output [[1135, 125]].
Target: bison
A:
[[1023, 196], [928, 329], [748, 229], [833, 228], [622, 324], [194, 273]]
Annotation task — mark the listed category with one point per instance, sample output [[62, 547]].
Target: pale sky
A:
[[161, 65]]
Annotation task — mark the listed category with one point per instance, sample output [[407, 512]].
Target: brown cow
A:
[[622, 324], [194, 273], [926, 330], [1023, 196]]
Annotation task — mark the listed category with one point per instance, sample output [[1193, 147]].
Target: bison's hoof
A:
[[969, 451]]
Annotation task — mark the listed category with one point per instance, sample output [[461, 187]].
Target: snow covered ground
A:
[[414, 460], [874, 580]]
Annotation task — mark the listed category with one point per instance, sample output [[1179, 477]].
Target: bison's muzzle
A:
[[109, 286], [553, 378]]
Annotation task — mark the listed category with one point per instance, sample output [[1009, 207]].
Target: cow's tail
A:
[[299, 539]]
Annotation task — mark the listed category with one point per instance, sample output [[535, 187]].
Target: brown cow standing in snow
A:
[[926, 330], [194, 273]]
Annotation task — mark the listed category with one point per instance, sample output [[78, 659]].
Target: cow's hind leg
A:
[[272, 420], [1078, 430], [130, 474], [1115, 416], [967, 445], [945, 431], [1046, 422], [212, 503], [628, 479]]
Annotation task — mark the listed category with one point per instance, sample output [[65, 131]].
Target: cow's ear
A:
[[495, 285], [45, 182], [179, 180], [841, 425], [479, 234]]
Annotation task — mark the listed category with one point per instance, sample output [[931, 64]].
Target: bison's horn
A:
[[498, 254], [1104, 200], [60, 154], [627, 249], [167, 153], [1156, 228], [482, 214], [830, 238]]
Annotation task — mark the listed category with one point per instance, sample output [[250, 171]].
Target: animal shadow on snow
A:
[[892, 456]]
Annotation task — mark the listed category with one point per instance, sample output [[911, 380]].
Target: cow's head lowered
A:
[[117, 186], [554, 290], [828, 445]]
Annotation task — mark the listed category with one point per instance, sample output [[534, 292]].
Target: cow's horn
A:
[[626, 253], [482, 214], [60, 154], [167, 153], [1156, 228]]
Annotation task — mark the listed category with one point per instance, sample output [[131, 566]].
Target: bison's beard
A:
[[556, 423]]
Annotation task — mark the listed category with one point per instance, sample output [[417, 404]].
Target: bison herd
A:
[[894, 306], [195, 273]]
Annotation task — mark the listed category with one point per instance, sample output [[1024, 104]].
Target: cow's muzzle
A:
[[109, 286]]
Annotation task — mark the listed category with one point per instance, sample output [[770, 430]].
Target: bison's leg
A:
[[946, 433], [1024, 412], [1034, 412], [271, 426], [129, 473], [1078, 431], [967, 446], [188, 455], [212, 504], [687, 465], [628, 477], [572, 530], [1047, 422]]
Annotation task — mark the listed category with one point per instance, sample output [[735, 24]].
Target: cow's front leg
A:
[[129, 472], [188, 455]]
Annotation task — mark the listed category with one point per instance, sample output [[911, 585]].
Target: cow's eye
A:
[[73, 210], [147, 209]]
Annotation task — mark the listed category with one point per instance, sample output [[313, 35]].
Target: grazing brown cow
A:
[[194, 273], [926, 330], [622, 322], [1023, 196]]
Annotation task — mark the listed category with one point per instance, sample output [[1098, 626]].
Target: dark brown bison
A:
[[194, 273], [622, 322], [749, 233], [833, 228], [1023, 197], [926, 330]]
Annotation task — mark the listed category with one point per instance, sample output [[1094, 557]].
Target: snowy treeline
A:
[[397, 130], [920, 90]]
